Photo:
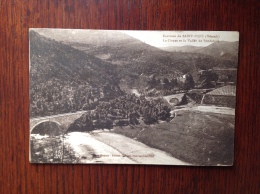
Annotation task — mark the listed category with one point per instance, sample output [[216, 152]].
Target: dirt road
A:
[[107, 147], [209, 109]]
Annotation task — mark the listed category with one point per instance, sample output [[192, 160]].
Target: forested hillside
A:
[[63, 79]]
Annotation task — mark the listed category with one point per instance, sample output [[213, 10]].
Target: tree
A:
[[166, 83], [188, 82], [206, 77], [174, 82], [152, 82]]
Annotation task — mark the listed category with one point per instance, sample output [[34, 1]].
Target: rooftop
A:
[[224, 91]]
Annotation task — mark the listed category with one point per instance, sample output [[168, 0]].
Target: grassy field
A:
[[194, 137]]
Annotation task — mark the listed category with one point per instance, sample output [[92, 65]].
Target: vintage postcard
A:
[[132, 97]]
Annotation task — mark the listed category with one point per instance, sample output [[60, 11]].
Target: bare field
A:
[[198, 138]]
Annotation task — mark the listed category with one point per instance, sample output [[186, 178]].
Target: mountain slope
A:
[[185, 49], [133, 57], [63, 79], [222, 49], [143, 58], [51, 59], [138, 57]]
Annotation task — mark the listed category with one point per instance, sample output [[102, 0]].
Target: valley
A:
[[179, 100]]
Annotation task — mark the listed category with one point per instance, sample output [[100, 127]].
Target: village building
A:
[[223, 96]]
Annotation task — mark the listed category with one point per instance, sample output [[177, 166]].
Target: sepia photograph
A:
[[132, 97]]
